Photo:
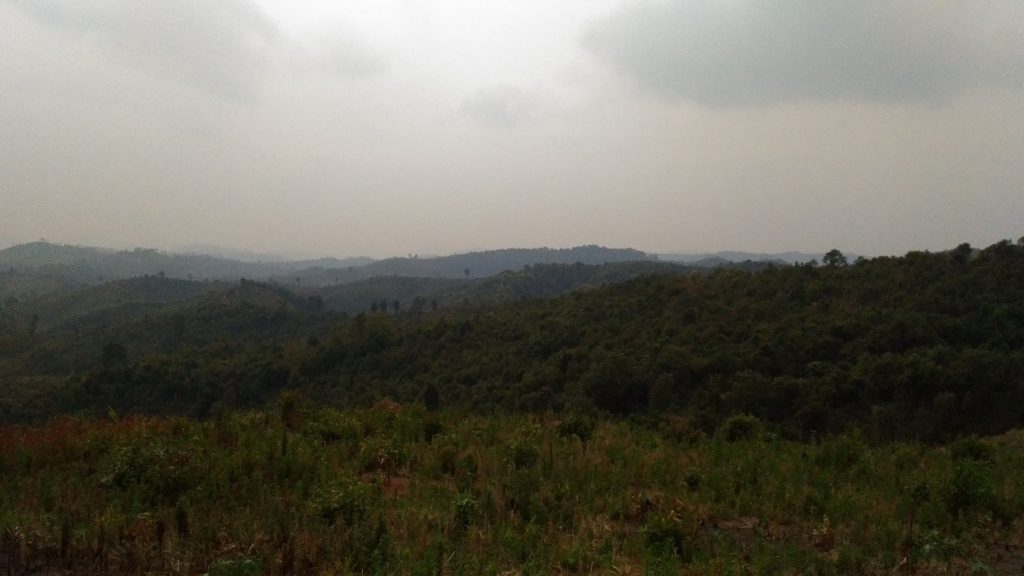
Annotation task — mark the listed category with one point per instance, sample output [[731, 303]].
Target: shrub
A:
[[842, 452], [331, 427], [740, 427], [290, 409], [164, 473], [665, 533], [344, 498], [382, 454], [466, 508], [525, 456], [970, 488], [693, 480], [971, 449], [581, 427], [432, 429]]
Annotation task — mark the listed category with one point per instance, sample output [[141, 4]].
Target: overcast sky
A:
[[386, 127]]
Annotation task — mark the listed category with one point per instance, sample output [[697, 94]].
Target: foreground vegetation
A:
[[400, 490]]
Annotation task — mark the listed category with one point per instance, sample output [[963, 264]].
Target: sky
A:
[[388, 127]]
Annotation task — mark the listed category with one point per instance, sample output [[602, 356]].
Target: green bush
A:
[[969, 489], [332, 427], [971, 449], [164, 473], [466, 507], [525, 456], [842, 453], [579, 426], [740, 427], [343, 499]]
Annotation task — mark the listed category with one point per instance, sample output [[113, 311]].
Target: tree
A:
[[962, 253], [834, 258]]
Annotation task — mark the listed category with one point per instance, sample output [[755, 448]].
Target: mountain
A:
[[86, 265], [470, 264], [716, 258], [538, 281]]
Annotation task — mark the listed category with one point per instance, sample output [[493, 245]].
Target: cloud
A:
[[345, 56], [749, 52], [220, 47], [501, 106]]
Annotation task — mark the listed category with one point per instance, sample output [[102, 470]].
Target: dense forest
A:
[[925, 346]]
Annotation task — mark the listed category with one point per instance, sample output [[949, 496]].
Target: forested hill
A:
[[82, 265], [469, 265], [40, 267], [926, 346], [538, 281]]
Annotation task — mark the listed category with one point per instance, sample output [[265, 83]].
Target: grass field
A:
[[398, 490]]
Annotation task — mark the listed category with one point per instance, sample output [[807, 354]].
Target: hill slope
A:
[[924, 346]]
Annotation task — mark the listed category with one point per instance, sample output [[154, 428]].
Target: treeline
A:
[[925, 346]]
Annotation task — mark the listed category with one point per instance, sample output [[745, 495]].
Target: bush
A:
[[740, 427], [581, 427], [164, 473], [290, 409], [466, 509], [432, 429], [525, 456], [665, 533], [332, 427], [971, 449], [842, 452], [970, 488], [344, 498]]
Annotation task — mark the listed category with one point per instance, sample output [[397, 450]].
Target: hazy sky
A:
[[386, 127]]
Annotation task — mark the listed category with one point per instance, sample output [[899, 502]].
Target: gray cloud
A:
[[345, 57], [501, 106], [220, 47], [752, 52]]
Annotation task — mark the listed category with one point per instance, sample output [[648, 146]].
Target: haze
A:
[[393, 127]]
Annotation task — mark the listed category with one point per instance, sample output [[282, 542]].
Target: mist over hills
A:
[[726, 256], [57, 266], [231, 253], [89, 265], [470, 264]]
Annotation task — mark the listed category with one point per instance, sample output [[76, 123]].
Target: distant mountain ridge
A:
[[83, 265], [229, 253], [727, 256], [473, 264]]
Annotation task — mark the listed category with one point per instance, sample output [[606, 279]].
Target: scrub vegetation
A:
[[400, 490]]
